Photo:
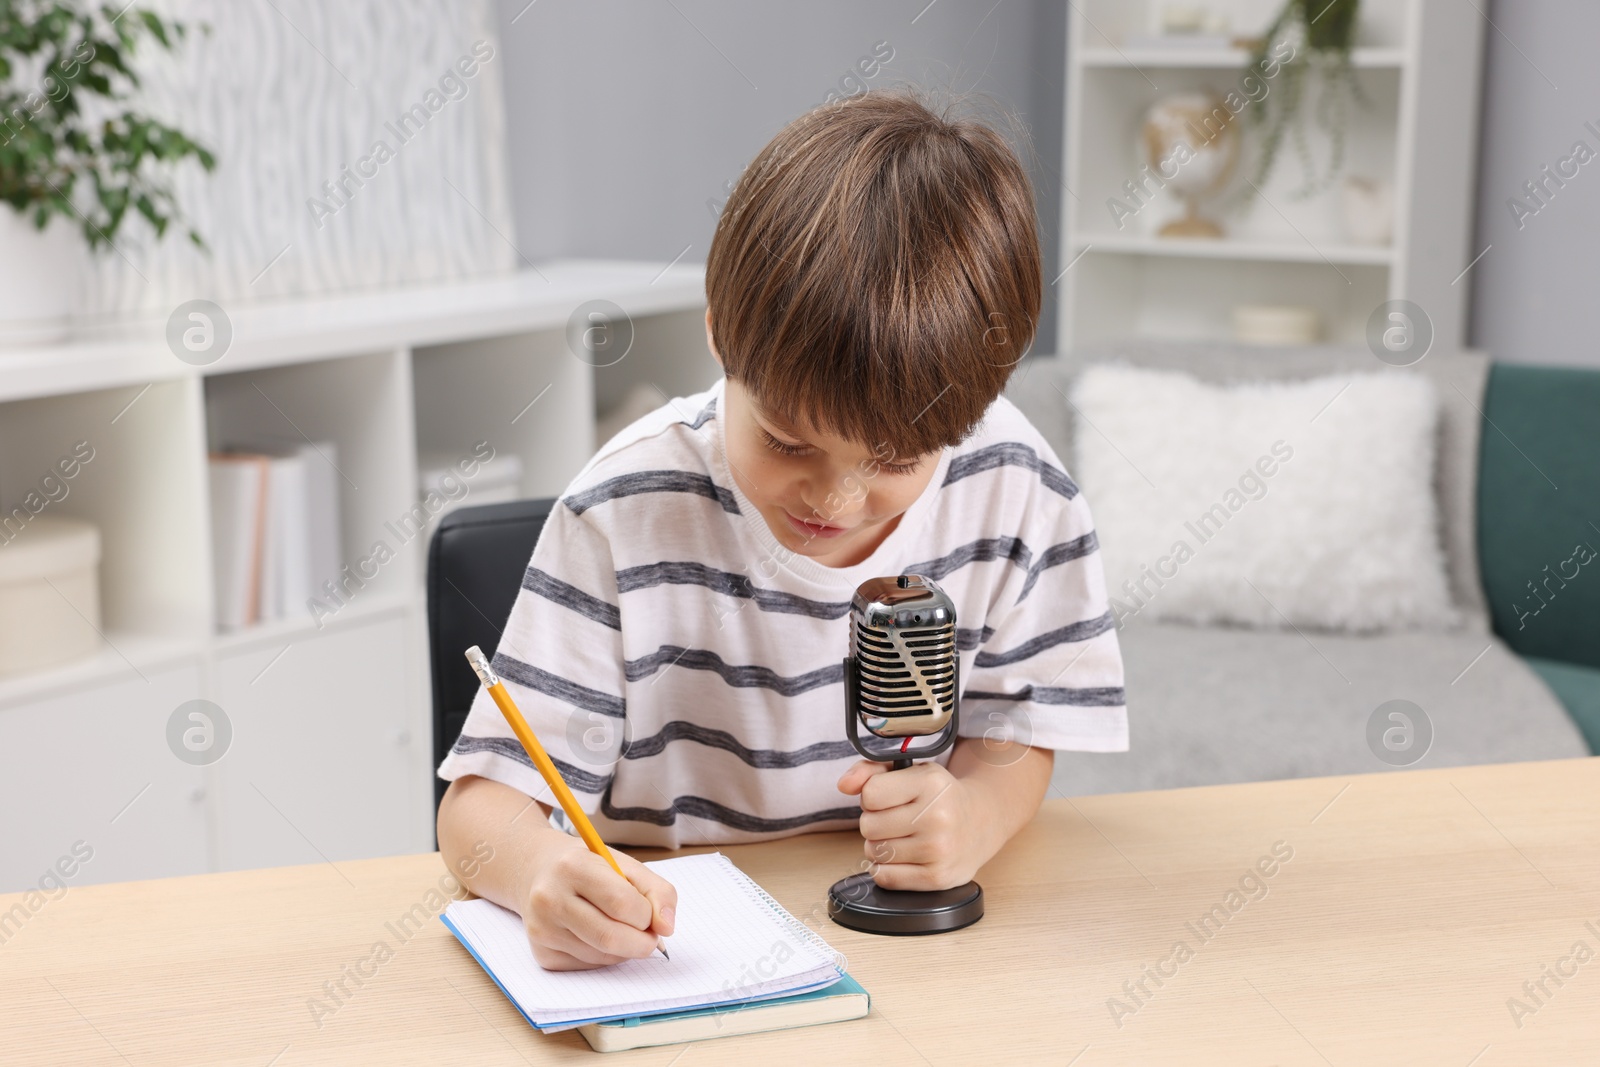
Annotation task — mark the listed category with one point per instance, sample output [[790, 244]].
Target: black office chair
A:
[[476, 560]]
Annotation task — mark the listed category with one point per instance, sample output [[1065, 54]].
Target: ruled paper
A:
[[730, 943]]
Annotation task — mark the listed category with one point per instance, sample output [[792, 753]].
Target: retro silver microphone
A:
[[902, 676], [902, 680]]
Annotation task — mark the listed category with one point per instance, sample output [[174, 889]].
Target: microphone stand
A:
[[858, 901]]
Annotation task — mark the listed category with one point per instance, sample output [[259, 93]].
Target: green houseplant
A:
[[73, 146], [1322, 32]]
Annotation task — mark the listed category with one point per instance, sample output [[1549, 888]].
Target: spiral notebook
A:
[[731, 944]]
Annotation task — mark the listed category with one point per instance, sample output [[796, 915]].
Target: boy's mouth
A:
[[814, 529]]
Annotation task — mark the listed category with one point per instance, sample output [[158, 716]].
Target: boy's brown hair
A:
[[875, 273]]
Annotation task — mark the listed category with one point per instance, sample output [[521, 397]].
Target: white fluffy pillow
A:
[[1318, 493]]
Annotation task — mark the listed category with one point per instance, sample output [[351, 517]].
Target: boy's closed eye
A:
[[787, 448]]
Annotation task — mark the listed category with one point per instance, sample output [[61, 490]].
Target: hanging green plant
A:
[[1322, 33], [55, 159]]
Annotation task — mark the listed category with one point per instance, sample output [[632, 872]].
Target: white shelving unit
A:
[[1416, 64], [330, 757]]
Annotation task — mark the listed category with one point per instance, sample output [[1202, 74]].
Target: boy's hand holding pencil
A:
[[579, 914], [584, 905]]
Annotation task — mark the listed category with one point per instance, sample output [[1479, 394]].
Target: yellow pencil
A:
[[541, 759]]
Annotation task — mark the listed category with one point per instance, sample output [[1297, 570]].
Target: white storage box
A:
[[49, 594]]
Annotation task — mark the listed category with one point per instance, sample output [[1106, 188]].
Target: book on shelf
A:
[[275, 529]]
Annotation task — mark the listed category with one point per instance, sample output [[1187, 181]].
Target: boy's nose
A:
[[840, 504]]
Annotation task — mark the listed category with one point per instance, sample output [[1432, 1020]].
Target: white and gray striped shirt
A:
[[684, 670]]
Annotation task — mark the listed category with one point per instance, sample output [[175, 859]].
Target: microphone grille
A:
[[905, 651]]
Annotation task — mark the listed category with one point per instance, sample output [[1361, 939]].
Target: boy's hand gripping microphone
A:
[[902, 682]]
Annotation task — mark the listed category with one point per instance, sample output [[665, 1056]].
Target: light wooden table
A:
[[1414, 908]]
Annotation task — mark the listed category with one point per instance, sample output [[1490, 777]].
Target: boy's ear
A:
[[711, 344]]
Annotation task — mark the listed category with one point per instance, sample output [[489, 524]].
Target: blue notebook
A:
[[732, 946], [843, 1000]]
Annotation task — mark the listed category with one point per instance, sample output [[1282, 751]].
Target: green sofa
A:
[[1539, 527]]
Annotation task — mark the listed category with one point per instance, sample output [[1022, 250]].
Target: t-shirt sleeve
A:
[[560, 658], [1049, 674]]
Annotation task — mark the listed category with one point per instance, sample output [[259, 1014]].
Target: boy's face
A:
[[823, 497]]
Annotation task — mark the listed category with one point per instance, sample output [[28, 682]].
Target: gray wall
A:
[[625, 118], [1534, 293]]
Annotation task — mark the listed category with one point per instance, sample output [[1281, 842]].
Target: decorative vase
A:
[[41, 278], [1190, 141]]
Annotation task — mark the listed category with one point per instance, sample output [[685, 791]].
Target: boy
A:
[[678, 637]]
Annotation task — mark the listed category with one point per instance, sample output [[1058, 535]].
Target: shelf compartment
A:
[[670, 357], [362, 404], [1120, 296], [525, 395], [1106, 152], [142, 486]]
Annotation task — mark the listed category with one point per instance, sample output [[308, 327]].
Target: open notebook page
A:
[[731, 943]]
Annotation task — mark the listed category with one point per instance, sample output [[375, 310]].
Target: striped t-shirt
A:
[[684, 669]]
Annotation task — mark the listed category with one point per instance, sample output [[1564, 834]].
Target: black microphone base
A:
[[861, 904]]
